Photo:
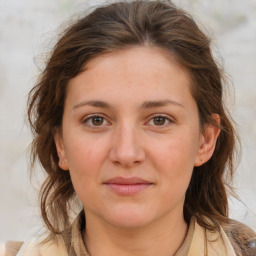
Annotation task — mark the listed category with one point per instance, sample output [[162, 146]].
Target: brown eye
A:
[[159, 120], [97, 120]]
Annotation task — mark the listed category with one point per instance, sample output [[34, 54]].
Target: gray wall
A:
[[26, 30]]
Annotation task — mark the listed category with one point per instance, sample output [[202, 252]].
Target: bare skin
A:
[[130, 139]]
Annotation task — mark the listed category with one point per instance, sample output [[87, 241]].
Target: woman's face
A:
[[131, 137]]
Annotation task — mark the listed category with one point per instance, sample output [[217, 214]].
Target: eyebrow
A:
[[160, 103], [145, 105], [93, 103]]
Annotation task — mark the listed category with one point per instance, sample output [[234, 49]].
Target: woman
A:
[[128, 116]]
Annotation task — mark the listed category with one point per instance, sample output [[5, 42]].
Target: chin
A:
[[129, 219], [128, 223]]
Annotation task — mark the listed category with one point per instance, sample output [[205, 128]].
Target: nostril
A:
[[126, 159], [126, 149]]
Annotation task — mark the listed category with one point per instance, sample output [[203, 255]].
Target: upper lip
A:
[[127, 181]]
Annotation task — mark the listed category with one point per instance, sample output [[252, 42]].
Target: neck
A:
[[162, 237]]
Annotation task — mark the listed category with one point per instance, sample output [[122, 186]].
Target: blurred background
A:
[[28, 29]]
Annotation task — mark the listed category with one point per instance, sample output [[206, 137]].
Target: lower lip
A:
[[127, 190]]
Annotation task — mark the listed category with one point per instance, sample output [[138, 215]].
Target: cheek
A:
[[86, 156], [174, 159], [177, 149], [85, 152], [84, 165]]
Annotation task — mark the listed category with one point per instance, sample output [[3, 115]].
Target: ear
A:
[[63, 163], [208, 141]]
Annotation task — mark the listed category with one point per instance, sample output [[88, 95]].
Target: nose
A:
[[126, 149]]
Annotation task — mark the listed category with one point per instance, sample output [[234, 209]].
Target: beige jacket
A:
[[232, 239]]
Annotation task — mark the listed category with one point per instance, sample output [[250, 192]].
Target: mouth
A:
[[127, 186]]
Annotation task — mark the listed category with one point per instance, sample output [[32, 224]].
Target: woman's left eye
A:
[[160, 121]]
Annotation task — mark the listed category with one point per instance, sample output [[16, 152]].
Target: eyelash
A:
[[166, 119], [92, 126], [90, 119]]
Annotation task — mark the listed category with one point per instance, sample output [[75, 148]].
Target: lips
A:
[[127, 186]]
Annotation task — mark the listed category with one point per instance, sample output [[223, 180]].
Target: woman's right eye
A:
[[95, 121]]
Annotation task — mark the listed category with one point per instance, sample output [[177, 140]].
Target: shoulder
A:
[[10, 248], [242, 238], [35, 247]]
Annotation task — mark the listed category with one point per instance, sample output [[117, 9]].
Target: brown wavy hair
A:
[[118, 26]]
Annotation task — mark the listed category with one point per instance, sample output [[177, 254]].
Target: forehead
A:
[[144, 72], [142, 58]]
